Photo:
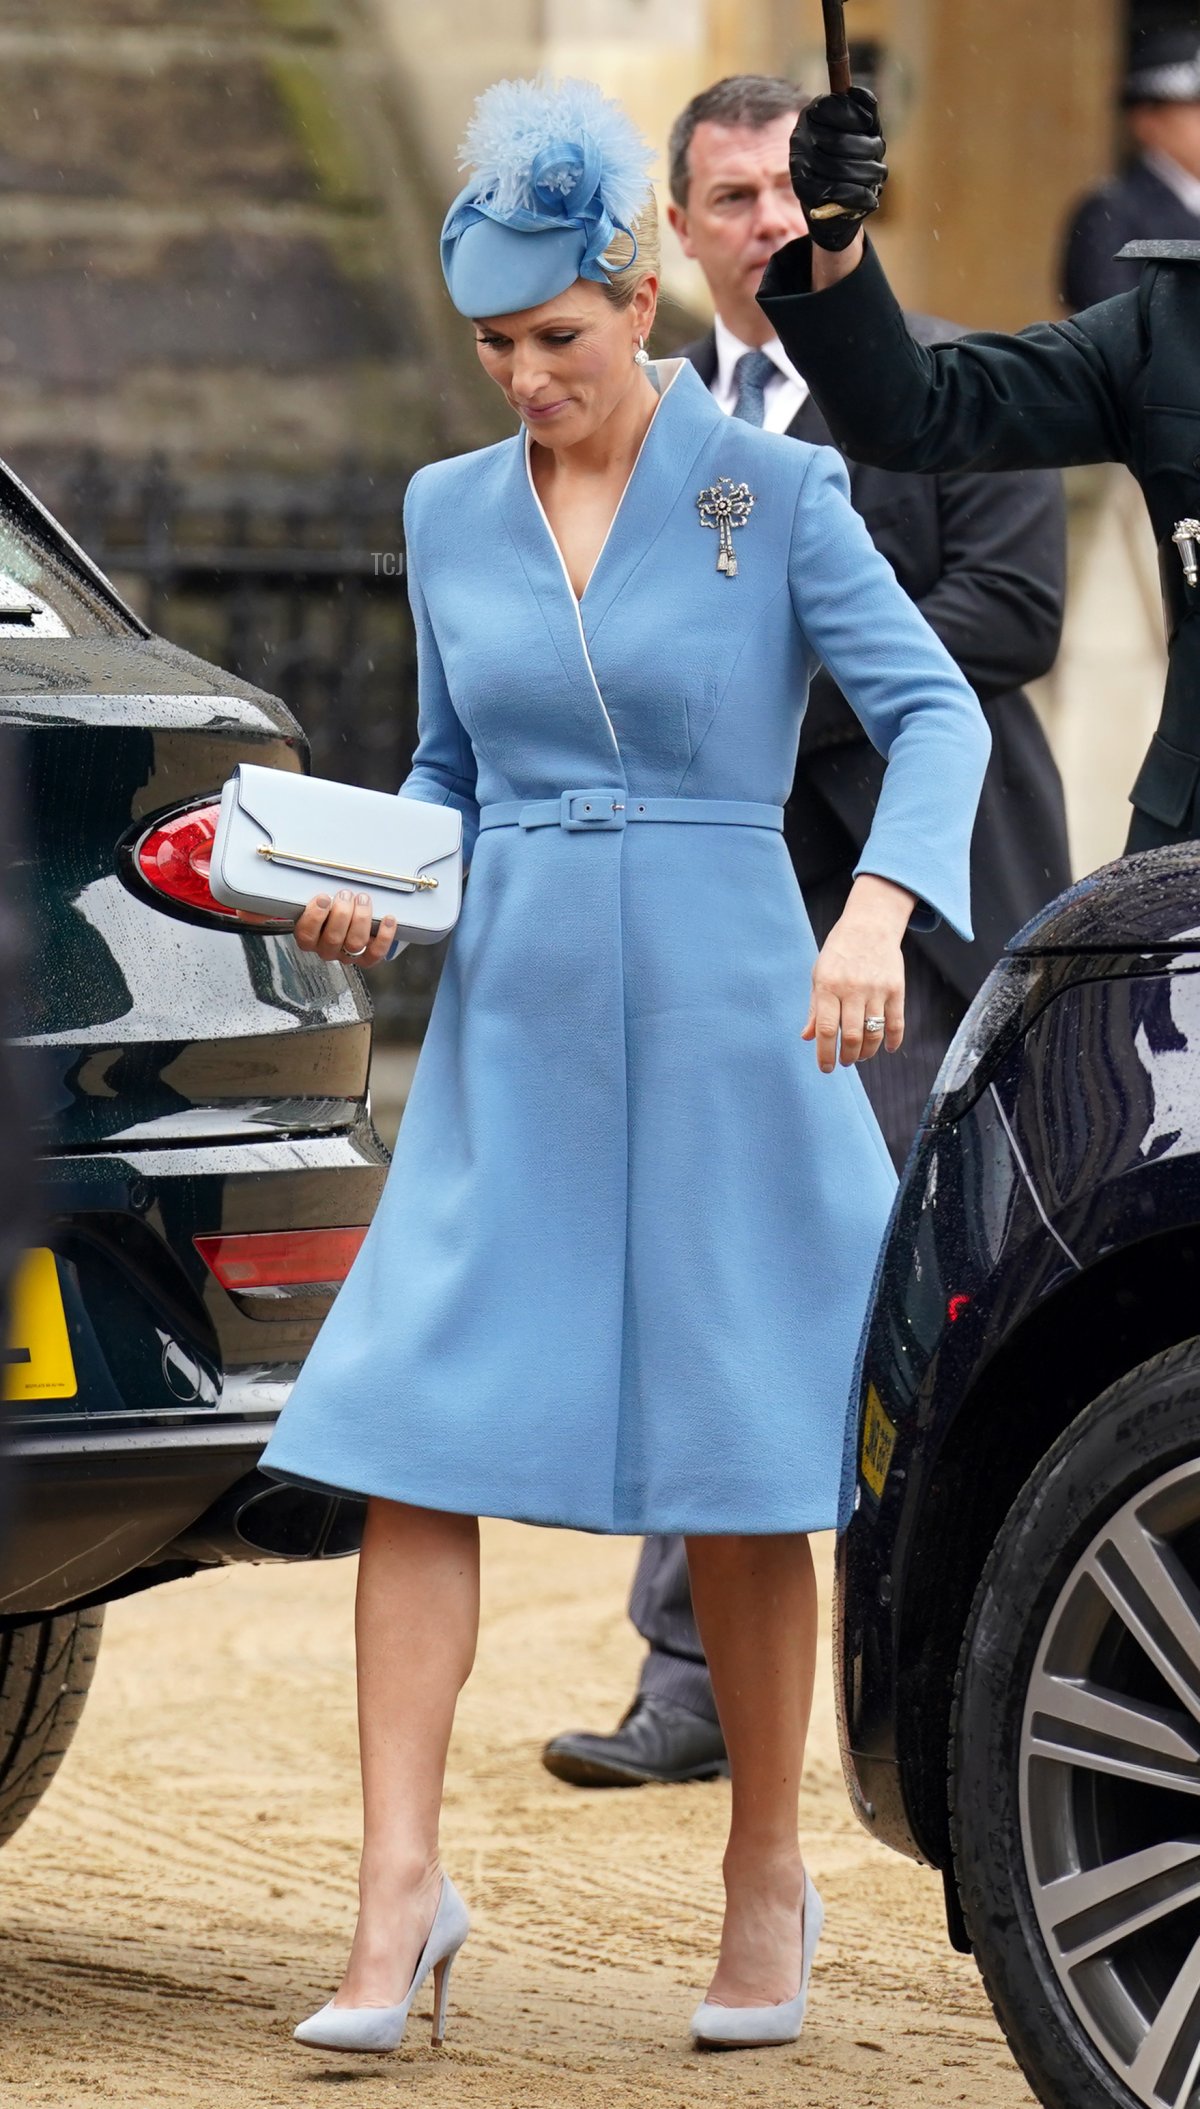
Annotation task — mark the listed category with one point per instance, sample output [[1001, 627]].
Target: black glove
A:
[[837, 160]]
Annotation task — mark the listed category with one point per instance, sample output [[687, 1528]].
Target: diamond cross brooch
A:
[[726, 505]]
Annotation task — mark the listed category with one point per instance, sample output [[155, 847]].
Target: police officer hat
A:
[[1164, 68]]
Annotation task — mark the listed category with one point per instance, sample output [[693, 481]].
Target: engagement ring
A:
[[875, 1025]]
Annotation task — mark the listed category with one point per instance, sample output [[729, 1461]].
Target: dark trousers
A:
[[898, 1087]]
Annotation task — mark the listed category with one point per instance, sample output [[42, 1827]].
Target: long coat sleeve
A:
[[1052, 396], [984, 560], [1119, 382], [620, 1267], [903, 686]]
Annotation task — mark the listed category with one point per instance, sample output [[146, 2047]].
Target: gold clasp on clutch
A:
[[419, 884]]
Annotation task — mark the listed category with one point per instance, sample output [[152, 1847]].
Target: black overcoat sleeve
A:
[[1051, 397]]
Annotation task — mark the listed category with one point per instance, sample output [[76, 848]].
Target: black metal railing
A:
[[297, 588]]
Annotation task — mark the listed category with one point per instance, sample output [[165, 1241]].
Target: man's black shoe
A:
[[655, 1741]]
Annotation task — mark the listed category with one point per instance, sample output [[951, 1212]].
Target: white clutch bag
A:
[[281, 838]]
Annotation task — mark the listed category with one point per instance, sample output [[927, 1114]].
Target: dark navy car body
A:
[[1046, 1239], [206, 1160], [1019, 1577]]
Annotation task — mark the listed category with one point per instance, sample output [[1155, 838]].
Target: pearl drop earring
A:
[[641, 356]]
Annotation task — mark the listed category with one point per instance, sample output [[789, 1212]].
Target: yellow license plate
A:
[[39, 1363], [878, 1443]]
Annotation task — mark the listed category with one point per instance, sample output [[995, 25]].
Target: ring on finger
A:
[[355, 955], [874, 1025]]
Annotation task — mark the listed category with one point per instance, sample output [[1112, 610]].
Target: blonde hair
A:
[[625, 276]]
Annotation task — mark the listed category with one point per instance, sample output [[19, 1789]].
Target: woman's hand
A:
[[860, 975], [339, 927]]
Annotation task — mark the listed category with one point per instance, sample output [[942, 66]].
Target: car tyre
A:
[[46, 1669], [1075, 1753]]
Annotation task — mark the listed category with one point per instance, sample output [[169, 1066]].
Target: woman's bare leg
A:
[[416, 1625], [756, 1606]]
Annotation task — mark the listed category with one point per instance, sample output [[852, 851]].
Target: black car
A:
[[208, 1165], [1019, 1584]]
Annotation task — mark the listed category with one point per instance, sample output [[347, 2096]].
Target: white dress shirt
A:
[[1177, 178], [786, 392]]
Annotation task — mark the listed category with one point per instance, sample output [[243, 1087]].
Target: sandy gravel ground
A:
[[185, 1891]]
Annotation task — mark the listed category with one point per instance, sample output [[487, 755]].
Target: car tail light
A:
[[277, 1259], [174, 858]]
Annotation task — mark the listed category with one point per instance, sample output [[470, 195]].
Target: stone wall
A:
[[218, 218], [216, 241]]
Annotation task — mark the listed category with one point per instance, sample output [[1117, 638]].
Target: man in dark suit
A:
[[1159, 195], [984, 559]]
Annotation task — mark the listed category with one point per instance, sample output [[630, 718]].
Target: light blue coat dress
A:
[[620, 1267]]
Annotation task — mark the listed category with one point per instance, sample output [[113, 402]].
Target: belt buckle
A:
[[601, 812]]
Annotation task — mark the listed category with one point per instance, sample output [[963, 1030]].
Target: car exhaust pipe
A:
[[259, 1519]]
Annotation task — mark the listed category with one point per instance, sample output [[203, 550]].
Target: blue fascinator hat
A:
[[559, 170]]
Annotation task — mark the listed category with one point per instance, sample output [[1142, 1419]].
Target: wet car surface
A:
[[207, 1161], [1019, 1583]]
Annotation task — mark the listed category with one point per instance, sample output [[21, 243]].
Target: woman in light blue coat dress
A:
[[617, 1277]]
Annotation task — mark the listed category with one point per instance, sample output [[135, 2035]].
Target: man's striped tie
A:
[[751, 374]]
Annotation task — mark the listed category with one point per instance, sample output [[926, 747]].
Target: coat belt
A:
[[606, 810]]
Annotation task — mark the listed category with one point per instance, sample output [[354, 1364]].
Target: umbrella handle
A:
[[837, 50]]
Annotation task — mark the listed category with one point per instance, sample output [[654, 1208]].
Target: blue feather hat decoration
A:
[[559, 170]]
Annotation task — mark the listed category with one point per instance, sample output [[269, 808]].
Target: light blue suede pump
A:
[[381, 2028], [758, 2027]]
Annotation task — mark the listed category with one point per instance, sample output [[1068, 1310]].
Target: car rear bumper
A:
[[89, 1505], [87, 1509], [178, 1382]]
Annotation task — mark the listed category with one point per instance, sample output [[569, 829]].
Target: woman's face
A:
[[566, 366]]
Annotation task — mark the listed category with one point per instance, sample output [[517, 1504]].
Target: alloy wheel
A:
[[1110, 1791]]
